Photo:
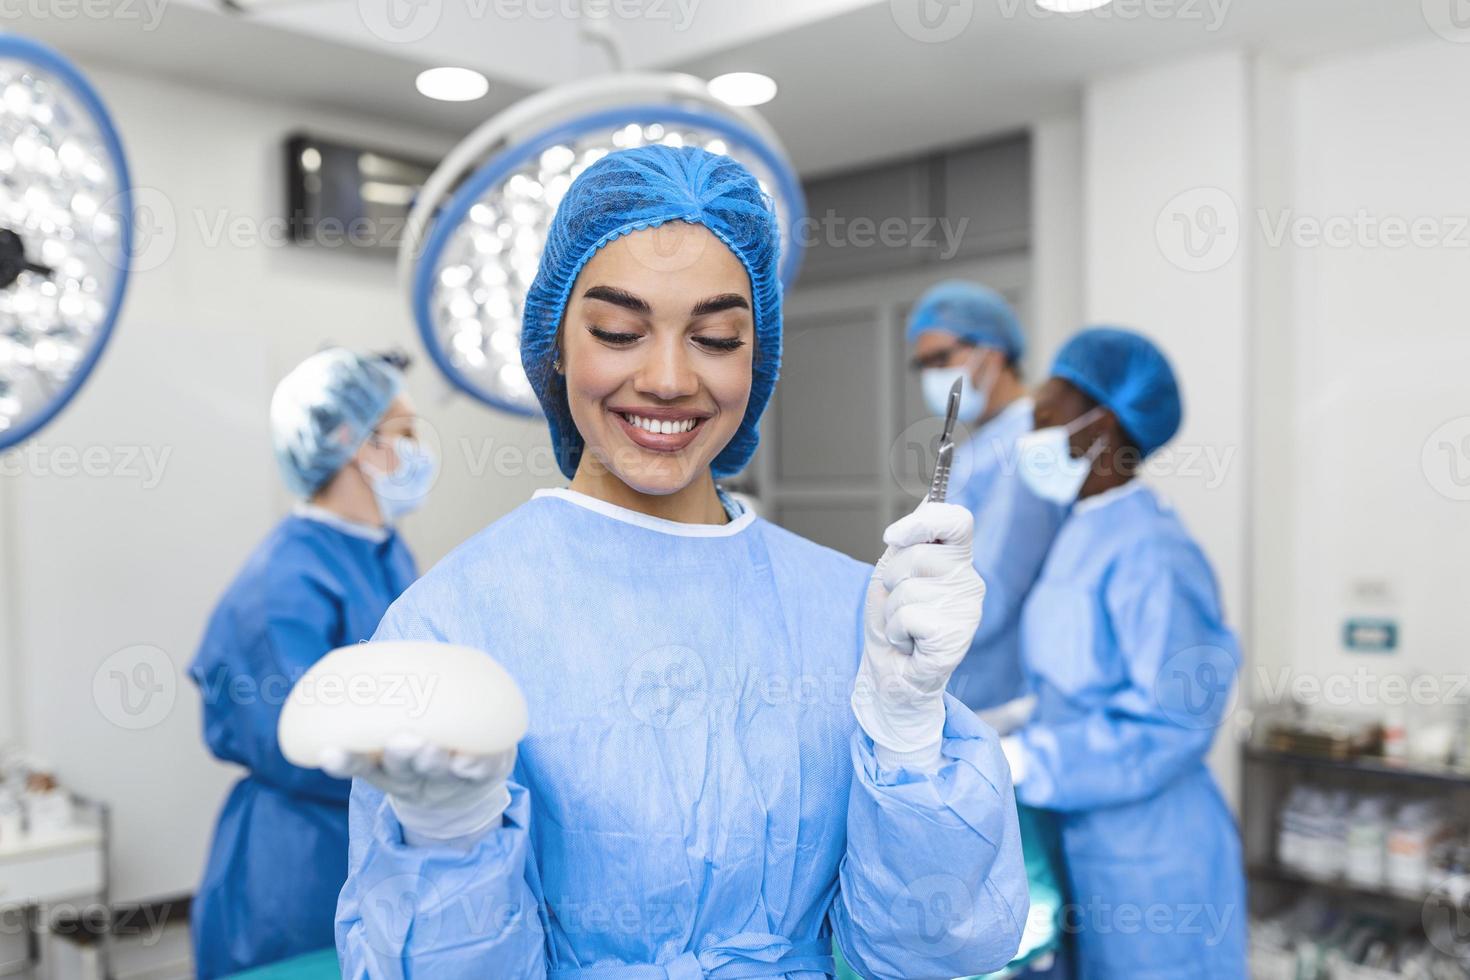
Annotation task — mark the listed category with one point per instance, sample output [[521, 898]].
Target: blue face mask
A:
[[936, 383], [1047, 465], [404, 490]]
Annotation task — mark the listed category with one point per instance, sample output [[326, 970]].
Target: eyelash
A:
[[618, 339]]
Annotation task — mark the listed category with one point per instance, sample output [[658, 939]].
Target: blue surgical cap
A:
[[324, 410], [1125, 373], [630, 190], [974, 313]]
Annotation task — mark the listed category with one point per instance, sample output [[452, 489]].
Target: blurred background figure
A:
[[1126, 646], [344, 437], [968, 332]]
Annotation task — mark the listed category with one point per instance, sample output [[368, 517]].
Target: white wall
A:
[[1379, 361], [1058, 262], [1157, 142], [1330, 372], [99, 564]]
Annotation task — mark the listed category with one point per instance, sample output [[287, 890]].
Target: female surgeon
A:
[[705, 792], [1126, 648], [343, 432]]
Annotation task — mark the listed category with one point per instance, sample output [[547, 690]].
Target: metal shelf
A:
[[1368, 765], [1337, 886]]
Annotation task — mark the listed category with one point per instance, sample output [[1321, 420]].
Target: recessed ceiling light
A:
[[743, 88], [452, 84], [1071, 6]]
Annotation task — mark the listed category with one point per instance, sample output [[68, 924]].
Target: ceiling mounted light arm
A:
[[599, 32], [547, 108], [475, 235]]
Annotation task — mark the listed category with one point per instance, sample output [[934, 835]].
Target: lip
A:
[[659, 442]]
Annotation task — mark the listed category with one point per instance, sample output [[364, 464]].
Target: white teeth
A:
[[666, 427]]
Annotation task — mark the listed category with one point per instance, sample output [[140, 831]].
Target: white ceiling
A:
[[860, 80]]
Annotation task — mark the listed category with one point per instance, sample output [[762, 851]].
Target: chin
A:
[[650, 474]]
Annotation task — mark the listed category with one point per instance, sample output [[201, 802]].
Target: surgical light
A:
[[1071, 6], [66, 234], [475, 235], [452, 84], [744, 88]]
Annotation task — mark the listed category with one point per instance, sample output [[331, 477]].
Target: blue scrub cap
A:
[[974, 313], [324, 409], [1124, 372], [641, 188]]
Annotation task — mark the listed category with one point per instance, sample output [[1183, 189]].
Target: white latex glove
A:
[[440, 797], [923, 607], [1015, 757], [1006, 718]]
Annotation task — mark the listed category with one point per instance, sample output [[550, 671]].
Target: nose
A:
[[667, 372]]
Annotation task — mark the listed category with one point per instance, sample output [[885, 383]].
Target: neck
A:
[[1108, 473], [349, 497], [1003, 395], [696, 503]]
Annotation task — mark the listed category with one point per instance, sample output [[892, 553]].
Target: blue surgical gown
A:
[[1014, 529], [279, 854], [694, 798], [1126, 646]]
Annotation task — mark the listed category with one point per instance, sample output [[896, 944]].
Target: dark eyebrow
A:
[[618, 297], [726, 301]]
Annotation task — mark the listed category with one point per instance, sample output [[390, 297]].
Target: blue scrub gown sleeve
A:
[[1179, 661], [933, 883], [437, 912], [1013, 533], [245, 671]]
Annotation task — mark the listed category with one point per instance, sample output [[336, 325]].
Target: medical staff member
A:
[[740, 742], [344, 437], [1125, 644], [966, 332]]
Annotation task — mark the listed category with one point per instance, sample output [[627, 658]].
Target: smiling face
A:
[[658, 348]]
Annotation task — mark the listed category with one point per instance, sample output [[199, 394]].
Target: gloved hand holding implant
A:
[[433, 725], [923, 606]]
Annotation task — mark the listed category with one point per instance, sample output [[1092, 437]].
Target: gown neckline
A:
[[657, 524]]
